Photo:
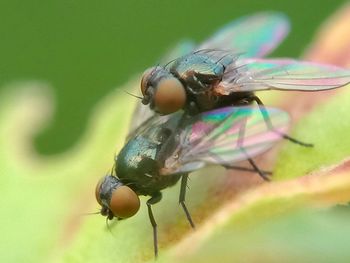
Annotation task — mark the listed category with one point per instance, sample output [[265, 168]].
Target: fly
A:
[[227, 69], [215, 87], [166, 149]]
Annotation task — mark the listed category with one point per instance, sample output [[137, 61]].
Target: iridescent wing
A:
[[249, 36], [140, 115], [213, 137], [252, 36], [281, 74], [142, 127]]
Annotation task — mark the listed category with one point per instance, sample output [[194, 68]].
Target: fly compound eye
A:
[[145, 78], [124, 202], [169, 96]]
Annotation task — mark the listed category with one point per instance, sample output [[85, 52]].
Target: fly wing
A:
[[253, 36], [249, 36], [281, 74], [214, 137], [142, 118]]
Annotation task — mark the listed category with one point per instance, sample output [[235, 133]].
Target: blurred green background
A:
[[86, 48]]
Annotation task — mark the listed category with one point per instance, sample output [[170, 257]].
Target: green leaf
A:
[[44, 197], [238, 218], [294, 236], [326, 127]]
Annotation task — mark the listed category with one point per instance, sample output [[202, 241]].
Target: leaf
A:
[[43, 198], [326, 127], [294, 236]]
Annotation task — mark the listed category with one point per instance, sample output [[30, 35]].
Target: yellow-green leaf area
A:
[[295, 236], [327, 127], [43, 197]]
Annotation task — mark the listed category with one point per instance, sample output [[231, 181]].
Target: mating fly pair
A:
[[214, 85]]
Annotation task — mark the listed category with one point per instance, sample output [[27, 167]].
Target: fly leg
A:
[[270, 126], [255, 169], [153, 200], [182, 199], [250, 160], [245, 169]]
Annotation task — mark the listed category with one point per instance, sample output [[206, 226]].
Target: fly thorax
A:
[[133, 156], [136, 164]]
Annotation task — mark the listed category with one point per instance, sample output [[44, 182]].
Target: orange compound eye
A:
[[170, 96], [145, 78], [124, 202]]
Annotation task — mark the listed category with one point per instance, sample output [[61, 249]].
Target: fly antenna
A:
[[135, 96], [91, 213]]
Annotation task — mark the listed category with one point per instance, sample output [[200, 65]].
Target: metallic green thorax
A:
[[200, 73], [138, 164], [202, 64]]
